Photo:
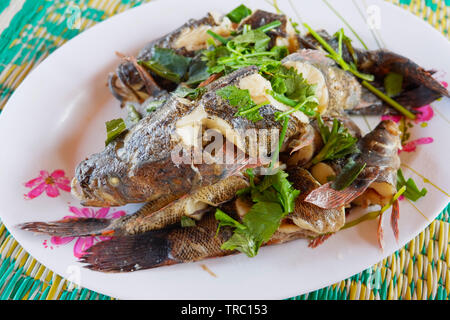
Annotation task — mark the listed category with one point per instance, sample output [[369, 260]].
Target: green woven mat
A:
[[31, 29]]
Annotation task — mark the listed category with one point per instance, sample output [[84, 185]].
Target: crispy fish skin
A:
[[154, 215], [380, 149]]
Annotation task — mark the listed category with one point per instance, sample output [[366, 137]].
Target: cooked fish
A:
[[154, 215], [284, 35], [139, 167], [377, 182], [181, 245], [419, 87], [337, 90], [127, 83]]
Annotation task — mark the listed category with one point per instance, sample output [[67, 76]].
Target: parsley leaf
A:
[[412, 191], [338, 142], [259, 39], [186, 92]]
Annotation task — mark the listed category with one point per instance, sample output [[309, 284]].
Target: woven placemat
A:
[[30, 31]]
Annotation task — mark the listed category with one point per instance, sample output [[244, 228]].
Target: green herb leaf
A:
[[274, 198], [241, 99], [412, 191], [198, 72], [286, 193], [243, 241], [259, 39], [186, 92], [239, 13], [167, 64], [393, 84], [338, 56], [349, 173], [187, 222], [338, 142], [280, 52], [263, 220], [114, 128]]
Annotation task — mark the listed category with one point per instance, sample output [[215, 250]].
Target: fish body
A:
[[127, 83], [140, 166], [181, 245], [337, 89], [419, 88], [379, 151], [154, 215]]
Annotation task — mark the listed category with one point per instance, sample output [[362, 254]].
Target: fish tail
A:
[[72, 227], [130, 253]]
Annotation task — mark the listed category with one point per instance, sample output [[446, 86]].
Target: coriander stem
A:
[[254, 108], [283, 99], [336, 57], [280, 142], [364, 76], [374, 214], [390, 101], [216, 36], [270, 26], [298, 107]]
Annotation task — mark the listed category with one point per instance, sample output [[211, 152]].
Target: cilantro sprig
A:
[[338, 142], [241, 99], [412, 191], [337, 56], [273, 198]]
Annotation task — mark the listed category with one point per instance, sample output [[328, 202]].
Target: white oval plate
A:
[[56, 118]]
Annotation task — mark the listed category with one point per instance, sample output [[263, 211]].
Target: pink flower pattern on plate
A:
[[50, 183], [84, 243], [411, 145]]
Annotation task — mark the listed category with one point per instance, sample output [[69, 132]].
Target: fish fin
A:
[[317, 241], [327, 198], [395, 215], [130, 253], [71, 227], [380, 233]]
